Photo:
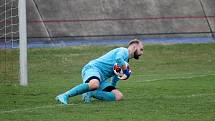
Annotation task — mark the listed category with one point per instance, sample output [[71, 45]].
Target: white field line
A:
[[186, 96], [33, 108], [179, 74], [56, 105], [189, 96], [181, 77]]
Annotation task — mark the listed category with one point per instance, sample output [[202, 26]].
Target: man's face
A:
[[139, 51]]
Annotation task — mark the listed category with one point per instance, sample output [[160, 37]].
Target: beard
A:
[[136, 55]]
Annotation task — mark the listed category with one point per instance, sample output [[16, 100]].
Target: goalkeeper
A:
[[96, 73]]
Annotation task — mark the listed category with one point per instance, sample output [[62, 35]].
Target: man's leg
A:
[[114, 95], [91, 80], [105, 92], [103, 95], [79, 89]]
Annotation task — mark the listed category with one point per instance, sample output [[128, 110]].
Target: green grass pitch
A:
[[169, 83]]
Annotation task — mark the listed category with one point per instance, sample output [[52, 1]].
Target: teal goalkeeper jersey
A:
[[106, 62]]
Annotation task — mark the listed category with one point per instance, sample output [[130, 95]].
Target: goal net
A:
[[9, 41]]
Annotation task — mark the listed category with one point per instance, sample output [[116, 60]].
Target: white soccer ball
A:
[[118, 71]]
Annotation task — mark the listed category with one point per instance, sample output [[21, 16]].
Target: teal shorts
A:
[[90, 71], [105, 85]]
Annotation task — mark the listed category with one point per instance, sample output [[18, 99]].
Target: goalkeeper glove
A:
[[126, 74]]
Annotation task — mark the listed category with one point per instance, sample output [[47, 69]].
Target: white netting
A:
[[9, 36], [9, 22]]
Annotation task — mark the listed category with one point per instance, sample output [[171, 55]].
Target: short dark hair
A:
[[134, 41]]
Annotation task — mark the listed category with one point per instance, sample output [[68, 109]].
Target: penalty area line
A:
[[191, 96], [173, 78], [179, 74], [34, 108]]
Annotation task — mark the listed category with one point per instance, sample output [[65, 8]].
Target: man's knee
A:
[[94, 84], [118, 95]]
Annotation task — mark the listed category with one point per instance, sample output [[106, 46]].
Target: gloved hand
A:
[[126, 74]]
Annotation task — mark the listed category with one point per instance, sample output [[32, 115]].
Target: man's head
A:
[[135, 48]]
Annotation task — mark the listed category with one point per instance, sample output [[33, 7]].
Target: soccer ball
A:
[[118, 71]]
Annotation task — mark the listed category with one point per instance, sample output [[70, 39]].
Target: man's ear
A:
[[134, 47]]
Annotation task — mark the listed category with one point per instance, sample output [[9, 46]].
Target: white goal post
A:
[[23, 43], [13, 30]]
